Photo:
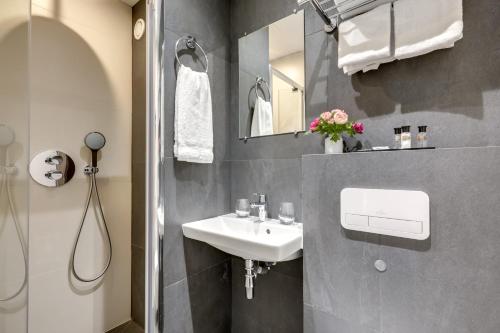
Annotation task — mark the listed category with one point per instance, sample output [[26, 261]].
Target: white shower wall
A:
[[80, 82]]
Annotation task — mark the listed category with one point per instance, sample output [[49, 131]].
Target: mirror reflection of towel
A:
[[262, 121]]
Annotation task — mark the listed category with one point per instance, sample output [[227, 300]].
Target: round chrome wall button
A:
[[380, 265]]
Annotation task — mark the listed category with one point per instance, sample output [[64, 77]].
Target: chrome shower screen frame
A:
[[154, 166]]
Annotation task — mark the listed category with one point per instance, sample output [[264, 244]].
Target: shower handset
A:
[[95, 141], [7, 138]]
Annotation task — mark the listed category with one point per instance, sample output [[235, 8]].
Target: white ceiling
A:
[[131, 3], [286, 36]]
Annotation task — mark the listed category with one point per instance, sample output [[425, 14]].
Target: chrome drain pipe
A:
[[249, 276], [251, 273]]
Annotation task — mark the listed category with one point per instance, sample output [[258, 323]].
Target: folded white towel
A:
[[424, 26], [355, 7], [193, 117], [365, 40], [262, 120]]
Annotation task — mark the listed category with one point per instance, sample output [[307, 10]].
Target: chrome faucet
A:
[[261, 204]]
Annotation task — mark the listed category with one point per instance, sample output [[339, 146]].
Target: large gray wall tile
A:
[[194, 192], [277, 303], [210, 295], [207, 20], [278, 178], [177, 316], [451, 274], [454, 91]]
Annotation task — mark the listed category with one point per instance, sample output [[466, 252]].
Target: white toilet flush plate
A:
[[387, 212]]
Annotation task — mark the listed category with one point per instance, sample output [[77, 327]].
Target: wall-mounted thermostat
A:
[[387, 212]]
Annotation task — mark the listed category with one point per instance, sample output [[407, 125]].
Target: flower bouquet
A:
[[333, 124]]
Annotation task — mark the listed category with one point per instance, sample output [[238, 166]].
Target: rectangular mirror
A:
[[272, 79]]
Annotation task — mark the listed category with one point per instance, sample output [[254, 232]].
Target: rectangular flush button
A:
[[414, 227], [357, 220]]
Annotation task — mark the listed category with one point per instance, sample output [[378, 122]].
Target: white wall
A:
[[288, 107], [14, 112], [80, 82]]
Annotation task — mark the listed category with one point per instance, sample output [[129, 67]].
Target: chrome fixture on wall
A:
[[253, 270], [190, 44], [7, 138], [95, 141], [52, 168]]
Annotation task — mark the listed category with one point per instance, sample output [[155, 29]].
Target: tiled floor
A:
[[128, 327]]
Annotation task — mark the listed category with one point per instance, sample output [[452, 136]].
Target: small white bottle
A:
[[405, 137], [422, 137], [397, 138]]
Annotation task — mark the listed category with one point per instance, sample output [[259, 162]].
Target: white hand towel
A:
[[365, 40], [262, 120], [193, 117], [355, 7], [424, 26]]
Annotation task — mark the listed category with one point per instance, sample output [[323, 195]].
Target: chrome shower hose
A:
[[5, 182], [92, 188]]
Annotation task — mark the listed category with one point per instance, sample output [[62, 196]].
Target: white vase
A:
[[332, 147]]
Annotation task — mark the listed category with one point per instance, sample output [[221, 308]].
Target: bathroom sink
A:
[[244, 237]]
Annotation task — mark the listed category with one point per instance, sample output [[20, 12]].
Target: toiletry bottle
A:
[[422, 137], [397, 138], [405, 137]]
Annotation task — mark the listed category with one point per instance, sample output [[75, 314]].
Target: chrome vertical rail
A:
[[154, 159]]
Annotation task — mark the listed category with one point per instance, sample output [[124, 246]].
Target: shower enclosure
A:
[[80, 147]]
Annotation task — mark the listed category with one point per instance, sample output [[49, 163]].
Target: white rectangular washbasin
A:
[[244, 237]]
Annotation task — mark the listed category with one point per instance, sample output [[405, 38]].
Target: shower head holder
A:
[[90, 170]]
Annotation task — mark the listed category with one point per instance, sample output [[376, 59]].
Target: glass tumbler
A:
[[242, 208], [287, 213]]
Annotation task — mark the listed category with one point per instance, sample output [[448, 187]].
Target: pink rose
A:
[[340, 117], [331, 121], [314, 125], [359, 128], [326, 116]]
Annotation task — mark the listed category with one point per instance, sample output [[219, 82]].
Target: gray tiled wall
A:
[[455, 92], [271, 166], [197, 277], [447, 283]]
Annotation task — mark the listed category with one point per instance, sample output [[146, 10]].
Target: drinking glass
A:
[[242, 208], [287, 213]]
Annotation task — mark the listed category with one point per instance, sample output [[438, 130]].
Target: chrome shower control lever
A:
[[52, 168], [54, 175], [54, 160]]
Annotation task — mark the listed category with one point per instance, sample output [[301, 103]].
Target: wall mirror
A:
[[272, 79]]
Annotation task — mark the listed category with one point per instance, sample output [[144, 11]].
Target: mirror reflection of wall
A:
[[271, 79]]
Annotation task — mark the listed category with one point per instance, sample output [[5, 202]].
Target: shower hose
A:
[[91, 172], [5, 182]]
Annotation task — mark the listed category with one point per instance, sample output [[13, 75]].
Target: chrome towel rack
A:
[[259, 82], [332, 13], [191, 44]]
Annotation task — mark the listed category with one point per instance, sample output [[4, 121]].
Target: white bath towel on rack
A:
[[424, 26], [193, 117], [262, 120], [365, 40]]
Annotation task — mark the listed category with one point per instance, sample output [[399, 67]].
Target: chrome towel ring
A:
[[259, 82], [191, 44]]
